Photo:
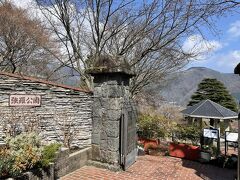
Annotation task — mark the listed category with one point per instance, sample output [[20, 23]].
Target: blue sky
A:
[[220, 52], [226, 53]]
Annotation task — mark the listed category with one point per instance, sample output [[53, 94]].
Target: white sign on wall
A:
[[210, 133], [24, 100], [233, 137]]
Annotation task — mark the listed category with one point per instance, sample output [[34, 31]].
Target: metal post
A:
[[225, 142], [238, 173], [218, 143], [237, 71]]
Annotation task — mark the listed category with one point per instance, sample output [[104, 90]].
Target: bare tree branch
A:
[[149, 35]]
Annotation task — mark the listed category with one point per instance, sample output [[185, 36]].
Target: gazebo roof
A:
[[209, 109]]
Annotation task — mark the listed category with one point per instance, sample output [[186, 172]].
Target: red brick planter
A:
[[184, 151]]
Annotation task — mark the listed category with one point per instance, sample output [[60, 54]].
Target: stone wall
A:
[[37, 174], [66, 163], [65, 113]]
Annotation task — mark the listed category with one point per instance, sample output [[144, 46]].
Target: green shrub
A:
[[25, 152], [153, 126], [167, 153], [188, 133], [22, 152], [6, 163], [213, 150], [49, 154]]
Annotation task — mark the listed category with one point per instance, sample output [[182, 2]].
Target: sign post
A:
[[213, 134], [237, 71], [225, 147], [230, 137], [238, 173]]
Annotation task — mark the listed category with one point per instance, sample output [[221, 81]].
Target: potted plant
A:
[[185, 142], [205, 153]]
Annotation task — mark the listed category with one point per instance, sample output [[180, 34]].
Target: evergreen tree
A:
[[215, 91]]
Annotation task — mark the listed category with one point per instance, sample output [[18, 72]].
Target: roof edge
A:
[[33, 79], [209, 117]]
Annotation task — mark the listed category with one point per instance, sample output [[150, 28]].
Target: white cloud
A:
[[200, 47], [224, 62], [234, 29], [229, 60], [23, 3], [31, 7]]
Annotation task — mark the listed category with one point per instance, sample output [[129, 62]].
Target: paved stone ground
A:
[[155, 167]]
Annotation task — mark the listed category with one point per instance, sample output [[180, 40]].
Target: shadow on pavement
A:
[[207, 171]]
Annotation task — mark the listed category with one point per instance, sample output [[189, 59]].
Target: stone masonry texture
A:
[[64, 113], [111, 91]]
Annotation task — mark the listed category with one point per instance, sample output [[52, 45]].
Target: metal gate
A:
[[128, 146]]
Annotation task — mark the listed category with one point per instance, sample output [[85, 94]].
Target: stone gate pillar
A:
[[111, 89]]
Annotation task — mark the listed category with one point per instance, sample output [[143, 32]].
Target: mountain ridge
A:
[[179, 87]]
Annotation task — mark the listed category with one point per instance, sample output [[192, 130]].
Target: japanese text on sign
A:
[[210, 133], [25, 100]]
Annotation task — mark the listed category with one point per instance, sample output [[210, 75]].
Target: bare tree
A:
[[65, 128], [149, 35], [18, 120], [23, 41]]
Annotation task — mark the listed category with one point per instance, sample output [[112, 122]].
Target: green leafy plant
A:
[[140, 145], [205, 148], [211, 149], [49, 154], [154, 126], [188, 133], [167, 153], [24, 153], [6, 162]]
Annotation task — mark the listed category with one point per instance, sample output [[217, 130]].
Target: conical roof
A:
[[209, 109]]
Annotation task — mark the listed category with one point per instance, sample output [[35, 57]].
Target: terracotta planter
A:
[[149, 143], [184, 151]]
